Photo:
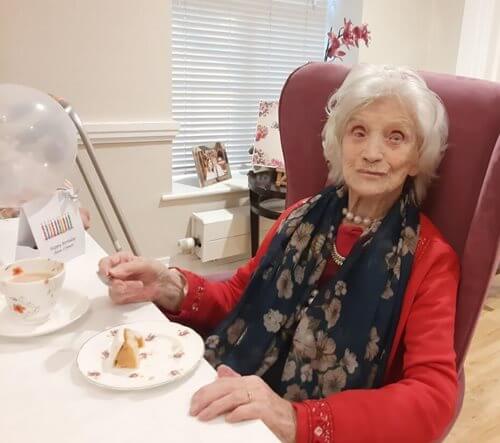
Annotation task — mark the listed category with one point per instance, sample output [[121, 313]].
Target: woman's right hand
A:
[[137, 279]]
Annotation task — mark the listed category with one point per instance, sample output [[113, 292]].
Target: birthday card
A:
[[51, 227]]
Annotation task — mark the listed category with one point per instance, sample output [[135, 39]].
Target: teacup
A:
[[32, 287]]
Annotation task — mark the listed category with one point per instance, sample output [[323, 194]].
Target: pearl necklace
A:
[[357, 219]]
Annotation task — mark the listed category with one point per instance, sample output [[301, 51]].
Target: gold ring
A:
[[249, 395]]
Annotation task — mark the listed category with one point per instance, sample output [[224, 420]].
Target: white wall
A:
[[395, 25], [443, 38], [421, 34], [110, 58], [479, 52]]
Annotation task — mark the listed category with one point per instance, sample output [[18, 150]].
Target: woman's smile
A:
[[371, 174]]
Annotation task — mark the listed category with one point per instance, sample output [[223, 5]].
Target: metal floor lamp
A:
[[93, 192]]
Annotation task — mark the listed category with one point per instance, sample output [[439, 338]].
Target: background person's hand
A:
[[136, 279], [9, 212], [85, 215]]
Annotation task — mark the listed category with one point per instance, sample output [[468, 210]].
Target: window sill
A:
[[187, 186]]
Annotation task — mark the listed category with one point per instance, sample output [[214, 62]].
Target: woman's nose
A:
[[372, 151]]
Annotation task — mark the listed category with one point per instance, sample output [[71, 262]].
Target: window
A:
[[226, 56]]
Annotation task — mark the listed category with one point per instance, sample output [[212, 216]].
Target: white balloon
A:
[[38, 144]]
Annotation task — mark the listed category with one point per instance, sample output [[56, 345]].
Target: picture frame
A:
[[212, 165]]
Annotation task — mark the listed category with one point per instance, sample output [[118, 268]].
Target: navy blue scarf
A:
[[321, 339]]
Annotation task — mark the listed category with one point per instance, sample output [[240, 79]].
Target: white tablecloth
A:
[[44, 398]]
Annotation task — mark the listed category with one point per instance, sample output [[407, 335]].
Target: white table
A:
[[44, 398]]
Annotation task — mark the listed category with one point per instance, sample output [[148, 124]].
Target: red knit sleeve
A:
[[208, 302], [314, 422], [419, 407]]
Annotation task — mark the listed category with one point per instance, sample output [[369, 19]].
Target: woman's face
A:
[[379, 149]]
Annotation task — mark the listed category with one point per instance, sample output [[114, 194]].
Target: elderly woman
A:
[[341, 328]]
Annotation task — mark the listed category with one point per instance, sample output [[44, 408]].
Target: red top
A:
[[417, 401], [346, 236]]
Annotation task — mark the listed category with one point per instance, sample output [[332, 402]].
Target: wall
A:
[[479, 52], [443, 38], [422, 35], [394, 25], [105, 56]]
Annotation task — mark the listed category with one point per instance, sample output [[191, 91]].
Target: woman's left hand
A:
[[245, 398]]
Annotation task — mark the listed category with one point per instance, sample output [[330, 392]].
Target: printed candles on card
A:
[[57, 226]]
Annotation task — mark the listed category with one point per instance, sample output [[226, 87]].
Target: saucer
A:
[[170, 352], [69, 308]]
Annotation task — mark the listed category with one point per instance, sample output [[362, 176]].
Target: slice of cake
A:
[[125, 349]]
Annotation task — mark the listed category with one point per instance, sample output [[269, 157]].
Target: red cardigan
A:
[[417, 401]]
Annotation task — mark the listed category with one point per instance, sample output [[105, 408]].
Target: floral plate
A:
[[170, 352]]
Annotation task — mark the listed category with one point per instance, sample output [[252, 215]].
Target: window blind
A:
[[226, 56]]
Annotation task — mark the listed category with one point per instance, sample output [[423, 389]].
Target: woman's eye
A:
[[396, 137], [358, 132]]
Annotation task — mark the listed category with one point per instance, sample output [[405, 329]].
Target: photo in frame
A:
[[212, 165]]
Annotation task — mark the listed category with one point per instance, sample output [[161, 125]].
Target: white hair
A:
[[367, 83]]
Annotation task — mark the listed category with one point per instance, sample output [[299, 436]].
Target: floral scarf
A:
[[321, 339]]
